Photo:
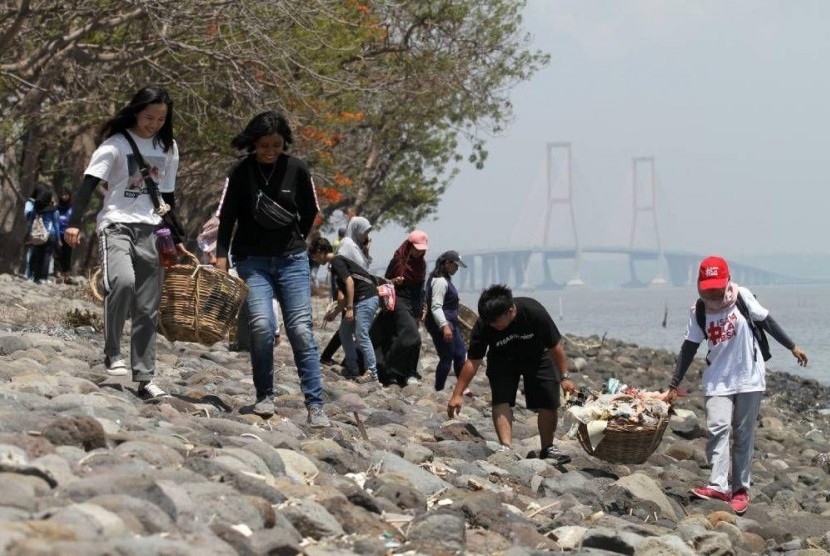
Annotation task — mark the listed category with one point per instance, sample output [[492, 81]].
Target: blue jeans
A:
[[288, 279], [450, 354], [357, 330]]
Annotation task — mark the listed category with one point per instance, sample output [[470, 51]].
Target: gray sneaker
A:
[[317, 418], [264, 407], [115, 365]]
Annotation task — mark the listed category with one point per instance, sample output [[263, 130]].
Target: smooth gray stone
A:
[[311, 519], [421, 479]]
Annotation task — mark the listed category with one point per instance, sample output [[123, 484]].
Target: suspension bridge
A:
[[540, 266]]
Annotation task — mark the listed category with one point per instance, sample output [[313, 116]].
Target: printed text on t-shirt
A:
[[722, 330], [512, 337]]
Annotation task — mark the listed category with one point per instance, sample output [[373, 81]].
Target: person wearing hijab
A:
[[395, 333], [734, 380]]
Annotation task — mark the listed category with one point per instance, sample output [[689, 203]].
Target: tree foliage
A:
[[382, 94]]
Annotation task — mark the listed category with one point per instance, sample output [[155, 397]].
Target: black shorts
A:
[[541, 382]]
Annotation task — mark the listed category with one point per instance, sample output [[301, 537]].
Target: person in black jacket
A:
[[271, 202]]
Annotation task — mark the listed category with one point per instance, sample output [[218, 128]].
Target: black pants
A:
[[39, 260], [63, 258], [397, 342]]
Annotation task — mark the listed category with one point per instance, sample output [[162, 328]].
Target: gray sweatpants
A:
[[734, 414], [132, 280]]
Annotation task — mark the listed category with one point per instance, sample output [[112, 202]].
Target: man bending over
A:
[[520, 340]]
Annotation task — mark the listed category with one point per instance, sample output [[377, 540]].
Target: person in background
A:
[[442, 318], [395, 333], [63, 252], [734, 379], [359, 289], [40, 256], [341, 233], [269, 250], [127, 222], [354, 246], [521, 341]]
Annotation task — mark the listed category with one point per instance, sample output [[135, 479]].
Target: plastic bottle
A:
[[167, 250]]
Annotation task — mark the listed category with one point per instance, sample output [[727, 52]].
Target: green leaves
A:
[[381, 93]]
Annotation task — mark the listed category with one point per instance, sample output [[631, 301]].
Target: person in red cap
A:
[[395, 334], [733, 323]]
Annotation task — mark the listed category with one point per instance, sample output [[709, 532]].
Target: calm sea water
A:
[[636, 315]]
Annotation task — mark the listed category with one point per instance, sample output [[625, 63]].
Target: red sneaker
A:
[[710, 494], [740, 501]]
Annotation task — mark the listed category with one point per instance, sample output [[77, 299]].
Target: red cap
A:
[[713, 274], [419, 240]]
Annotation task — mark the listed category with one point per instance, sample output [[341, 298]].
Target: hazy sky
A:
[[729, 96]]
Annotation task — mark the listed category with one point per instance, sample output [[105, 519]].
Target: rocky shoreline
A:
[[88, 468]]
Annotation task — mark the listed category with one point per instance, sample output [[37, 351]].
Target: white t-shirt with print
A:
[[127, 200], [735, 361]]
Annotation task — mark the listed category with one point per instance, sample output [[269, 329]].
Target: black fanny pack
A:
[[270, 215]]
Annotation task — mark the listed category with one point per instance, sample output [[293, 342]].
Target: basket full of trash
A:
[[624, 425]]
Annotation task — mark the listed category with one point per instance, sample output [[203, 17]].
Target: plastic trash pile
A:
[[619, 404]]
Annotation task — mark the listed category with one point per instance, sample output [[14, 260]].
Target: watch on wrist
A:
[[566, 376], [349, 308]]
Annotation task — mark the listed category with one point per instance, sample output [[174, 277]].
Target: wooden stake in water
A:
[[561, 310], [665, 314]]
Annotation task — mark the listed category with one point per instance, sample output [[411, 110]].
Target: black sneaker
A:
[[554, 456]]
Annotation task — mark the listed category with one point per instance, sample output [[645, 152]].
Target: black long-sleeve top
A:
[[290, 185]]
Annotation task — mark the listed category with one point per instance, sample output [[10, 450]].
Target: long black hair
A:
[[265, 123], [440, 270], [126, 117]]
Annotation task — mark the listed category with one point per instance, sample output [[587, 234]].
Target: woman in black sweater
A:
[[271, 202]]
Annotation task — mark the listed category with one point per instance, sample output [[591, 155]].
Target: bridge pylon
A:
[[644, 165], [558, 151]]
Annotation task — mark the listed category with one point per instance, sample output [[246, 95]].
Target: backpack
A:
[[757, 331], [38, 234]]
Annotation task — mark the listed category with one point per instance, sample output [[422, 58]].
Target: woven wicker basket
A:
[[624, 443], [198, 302], [467, 319]]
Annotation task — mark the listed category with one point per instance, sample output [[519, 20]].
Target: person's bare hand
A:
[[670, 396], [800, 356], [568, 386], [221, 263], [72, 237], [349, 314], [182, 250], [447, 332], [454, 406]]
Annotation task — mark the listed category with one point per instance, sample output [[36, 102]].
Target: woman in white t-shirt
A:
[[126, 226], [734, 379]]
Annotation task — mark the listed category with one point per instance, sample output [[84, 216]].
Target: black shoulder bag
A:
[[162, 209]]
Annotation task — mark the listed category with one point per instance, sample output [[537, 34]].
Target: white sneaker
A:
[[149, 390], [412, 380], [115, 366]]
